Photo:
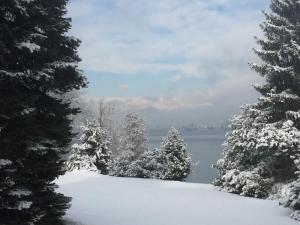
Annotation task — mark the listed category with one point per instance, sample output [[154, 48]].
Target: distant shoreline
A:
[[184, 132]]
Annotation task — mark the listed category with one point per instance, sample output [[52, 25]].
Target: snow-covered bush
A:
[[292, 199], [279, 191], [93, 151], [246, 183], [251, 141], [148, 165], [268, 148], [174, 157], [121, 164], [171, 162]]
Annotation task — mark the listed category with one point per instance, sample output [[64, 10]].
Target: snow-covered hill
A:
[[105, 200]]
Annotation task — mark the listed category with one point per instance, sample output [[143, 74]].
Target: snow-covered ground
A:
[[105, 200]]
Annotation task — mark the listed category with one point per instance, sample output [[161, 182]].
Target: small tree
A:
[[105, 114], [133, 145], [176, 161], [134, 139], [103, 111], [93, 151]]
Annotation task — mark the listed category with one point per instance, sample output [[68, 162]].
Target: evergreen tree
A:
[[38, 65], [264, 138], [292, 200], [171, 162], [133, 145], [93, 152], [174, 157], [135, 139]]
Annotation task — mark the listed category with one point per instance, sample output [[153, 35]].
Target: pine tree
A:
[[176, 161], [135, 139], [93, 152], [292, 200], [38, 65], [264, 138], [133, 145]]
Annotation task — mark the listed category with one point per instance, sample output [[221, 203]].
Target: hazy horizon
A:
[[175, 62]]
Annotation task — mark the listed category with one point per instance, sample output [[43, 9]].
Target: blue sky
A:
[[170, 56]]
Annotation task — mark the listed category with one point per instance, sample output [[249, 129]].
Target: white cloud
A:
[[137, 37], [187, 38]]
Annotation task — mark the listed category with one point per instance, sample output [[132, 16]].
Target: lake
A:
[[205, 149]]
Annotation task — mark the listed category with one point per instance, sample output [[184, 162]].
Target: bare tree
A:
[[105, 113]]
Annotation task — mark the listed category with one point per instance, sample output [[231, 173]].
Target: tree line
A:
[[133, 157]]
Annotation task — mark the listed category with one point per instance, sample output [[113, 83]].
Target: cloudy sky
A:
[[176, 61]]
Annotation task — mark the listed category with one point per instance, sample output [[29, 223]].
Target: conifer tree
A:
[[93, 152], [264, 138], [176, 161], [134, 139], [38, 65], [133, 145]]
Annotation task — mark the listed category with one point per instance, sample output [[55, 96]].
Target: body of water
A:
[[205, 149]]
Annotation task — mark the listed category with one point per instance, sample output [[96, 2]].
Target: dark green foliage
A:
[[37, 67]]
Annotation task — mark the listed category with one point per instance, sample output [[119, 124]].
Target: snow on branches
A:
[[93, 152], [170, 162], [262, 147], [174, 154]]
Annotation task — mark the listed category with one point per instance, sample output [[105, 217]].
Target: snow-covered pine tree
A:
[[264, 138], [93, 152], [135, 138], [38, 65], [133, 144], [175, 159], [292, 200]]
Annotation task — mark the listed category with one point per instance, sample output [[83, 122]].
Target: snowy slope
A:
[[104, 200]]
